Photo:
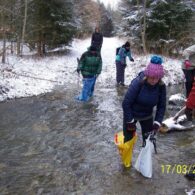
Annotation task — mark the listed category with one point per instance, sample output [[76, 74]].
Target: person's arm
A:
[[81, 62], [92, 38], [161, 106], [130, 99], [101, 40], [130, 57], [100, 66]]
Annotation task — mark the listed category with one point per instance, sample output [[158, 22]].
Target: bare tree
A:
[[24, 25], [143, 25]]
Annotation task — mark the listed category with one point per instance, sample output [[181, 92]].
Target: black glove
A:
[[188, 113], [78, 70], [131, 126], [132, 60], [155, 128]]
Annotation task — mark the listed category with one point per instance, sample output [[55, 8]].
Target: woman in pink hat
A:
[[145, 92]]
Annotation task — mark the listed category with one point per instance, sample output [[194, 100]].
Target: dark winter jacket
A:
[[90, 64], [122, 54], [142, 97], [97, 40]]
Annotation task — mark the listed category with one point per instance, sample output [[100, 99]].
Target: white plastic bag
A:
[[144, 161]]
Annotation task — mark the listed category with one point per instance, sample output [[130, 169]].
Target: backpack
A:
[[117, 50]]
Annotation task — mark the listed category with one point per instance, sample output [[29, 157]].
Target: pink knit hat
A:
[[155, 68]]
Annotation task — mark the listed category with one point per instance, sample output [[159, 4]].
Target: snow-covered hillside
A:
[[22, 77]]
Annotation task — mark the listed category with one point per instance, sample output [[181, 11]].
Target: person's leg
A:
[[92, 87], [189, 76], [118, 72], [123, 74], [146, 127], [87, 83]]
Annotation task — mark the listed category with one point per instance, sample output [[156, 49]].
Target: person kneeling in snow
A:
[[145, 92], [90, 66], [190, 106]]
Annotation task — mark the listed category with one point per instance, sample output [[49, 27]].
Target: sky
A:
[[113, 3], [23, 77]]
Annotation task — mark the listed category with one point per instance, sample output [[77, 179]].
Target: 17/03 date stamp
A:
[[177, 168]]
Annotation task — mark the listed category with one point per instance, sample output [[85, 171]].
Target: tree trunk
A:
[[143, 26], [18, 46], [4, 47], [40, 45], [24, 26]]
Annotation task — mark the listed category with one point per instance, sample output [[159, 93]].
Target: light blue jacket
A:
[[122, 54]]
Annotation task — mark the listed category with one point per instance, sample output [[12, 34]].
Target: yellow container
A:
[[125, 149]]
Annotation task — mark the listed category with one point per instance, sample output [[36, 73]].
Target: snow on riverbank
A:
[[22, 77]]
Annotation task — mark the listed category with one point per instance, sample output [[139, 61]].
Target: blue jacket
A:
[[141, 98], [122, 54]]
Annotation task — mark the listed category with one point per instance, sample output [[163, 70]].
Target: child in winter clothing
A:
[[124, 52], [145, 92], [90, 66]]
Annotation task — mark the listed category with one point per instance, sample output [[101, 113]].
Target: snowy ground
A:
[[23, 77]]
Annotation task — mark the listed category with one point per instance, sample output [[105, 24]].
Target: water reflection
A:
[[51, 144]]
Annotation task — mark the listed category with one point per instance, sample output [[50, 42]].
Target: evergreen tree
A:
[[50, 23], [168, 22], [106, 24]]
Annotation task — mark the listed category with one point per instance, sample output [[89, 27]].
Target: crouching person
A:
[[190, 106], [145, 92], [90, 66]]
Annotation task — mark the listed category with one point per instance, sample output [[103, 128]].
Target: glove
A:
[[131, 126], [187, 63], [155, 128], [132, 60], [78, 70]]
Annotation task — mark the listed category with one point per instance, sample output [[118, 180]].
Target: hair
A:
[[127, 44]]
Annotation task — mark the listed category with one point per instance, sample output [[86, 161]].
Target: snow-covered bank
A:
[[21, 77]]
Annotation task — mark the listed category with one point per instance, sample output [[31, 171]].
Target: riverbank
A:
[[25, 77]]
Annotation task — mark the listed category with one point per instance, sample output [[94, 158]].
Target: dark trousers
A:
[[120, 72], [189, 76], [146, 127]]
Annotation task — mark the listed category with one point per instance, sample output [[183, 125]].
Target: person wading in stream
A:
[[145, 92], [90, 66], [121, 64]]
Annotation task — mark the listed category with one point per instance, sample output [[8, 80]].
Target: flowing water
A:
[[51, 144]]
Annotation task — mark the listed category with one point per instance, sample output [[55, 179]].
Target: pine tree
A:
[[106, 24], [49, 24], [168, 23]]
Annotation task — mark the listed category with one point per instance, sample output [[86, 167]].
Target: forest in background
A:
[[163, 27]]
